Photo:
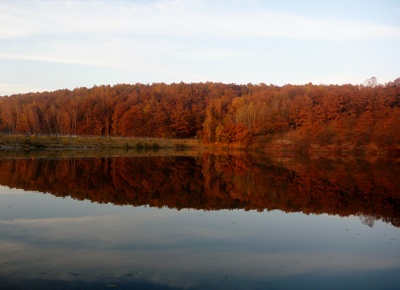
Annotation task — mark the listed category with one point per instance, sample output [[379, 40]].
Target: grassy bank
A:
[[34, 145], [85, 143]]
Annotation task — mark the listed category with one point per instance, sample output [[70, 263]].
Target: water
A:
[[217, 222]]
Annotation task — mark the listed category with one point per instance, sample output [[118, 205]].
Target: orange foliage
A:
[[356, 116]]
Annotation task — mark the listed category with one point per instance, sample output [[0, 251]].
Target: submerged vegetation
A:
[[307, 118]]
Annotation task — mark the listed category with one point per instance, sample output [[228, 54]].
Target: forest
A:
[[291, 117]]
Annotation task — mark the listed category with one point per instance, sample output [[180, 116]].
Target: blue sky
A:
[[49, 45]]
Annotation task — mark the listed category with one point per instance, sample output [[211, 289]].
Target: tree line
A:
[[245, 115]]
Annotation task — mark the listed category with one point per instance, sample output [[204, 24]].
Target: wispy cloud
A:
[[180, 40], [122, 33], [174, 19], [46, 58]]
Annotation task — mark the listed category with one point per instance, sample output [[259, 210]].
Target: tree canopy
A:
[[305, 115]]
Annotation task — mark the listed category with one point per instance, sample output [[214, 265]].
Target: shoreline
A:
[[148, 146], [74, 142]]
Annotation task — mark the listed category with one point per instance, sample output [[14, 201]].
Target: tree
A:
[[371, 82]]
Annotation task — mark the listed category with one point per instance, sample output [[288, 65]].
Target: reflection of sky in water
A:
[[46, 239]]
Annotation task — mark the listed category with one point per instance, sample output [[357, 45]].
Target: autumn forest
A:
[[301, 117]]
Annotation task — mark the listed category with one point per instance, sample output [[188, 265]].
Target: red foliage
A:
[[324, 115]]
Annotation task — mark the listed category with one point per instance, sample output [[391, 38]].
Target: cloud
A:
[[8, 89], [46, 58], [176, 40], [194, 19], [110, 21], [131, 34]]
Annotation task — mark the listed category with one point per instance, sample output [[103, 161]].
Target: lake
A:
[[199, 222]]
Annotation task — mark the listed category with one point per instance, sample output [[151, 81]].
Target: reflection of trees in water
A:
[[212, 182], [367, 220]]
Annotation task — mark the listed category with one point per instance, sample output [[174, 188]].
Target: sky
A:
[[47, 45]]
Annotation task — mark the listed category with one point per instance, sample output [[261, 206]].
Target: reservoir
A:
[[197, 222]]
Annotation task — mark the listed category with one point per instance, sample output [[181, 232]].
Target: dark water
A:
[[210, 222]]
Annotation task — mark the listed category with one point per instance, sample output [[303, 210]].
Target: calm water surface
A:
[[216, 222]]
